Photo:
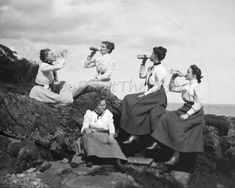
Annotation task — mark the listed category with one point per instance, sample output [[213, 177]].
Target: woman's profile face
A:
[[189, 75], [153, 57], [50, 56], [101, 106], [103, 49]]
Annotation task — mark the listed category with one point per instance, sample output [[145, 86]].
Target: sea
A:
[[217, 109]]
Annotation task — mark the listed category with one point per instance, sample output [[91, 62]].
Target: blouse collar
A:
[[193, 82], [99, 114], [105, 55]]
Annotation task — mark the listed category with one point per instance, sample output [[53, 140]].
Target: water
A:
[[217, 109]]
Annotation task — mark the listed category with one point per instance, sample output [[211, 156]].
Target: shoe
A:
[[131, 139], [174, 159], [153, 146]]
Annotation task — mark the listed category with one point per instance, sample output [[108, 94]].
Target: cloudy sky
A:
[[198, 32]]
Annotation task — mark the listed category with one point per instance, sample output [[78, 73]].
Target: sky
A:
[[198, 32]]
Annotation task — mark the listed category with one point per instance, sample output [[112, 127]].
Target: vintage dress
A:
[[96, 143], [104, 66], [44, 89], [183, 135], [139, 116]]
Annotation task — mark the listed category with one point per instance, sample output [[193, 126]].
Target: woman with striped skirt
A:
[[181, 130], [98, 134]]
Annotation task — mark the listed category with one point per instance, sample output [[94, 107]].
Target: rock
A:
[[212, 141], [140, 160], [20, 175], [16, 75], [44, 166], [110, 181], [230, 153], [227, 142], [231, 132], [77, 159], [181, 177], [222, 123]]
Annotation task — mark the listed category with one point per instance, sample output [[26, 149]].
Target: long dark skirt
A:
[[181, 135], [96, 144], [139, 116]]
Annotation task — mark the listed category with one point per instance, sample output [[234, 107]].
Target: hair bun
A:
[[160, 52]]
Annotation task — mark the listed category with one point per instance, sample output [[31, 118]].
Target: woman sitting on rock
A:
[[182, 129], [141, 111], [98, 135], [45, 89], [104, 66]]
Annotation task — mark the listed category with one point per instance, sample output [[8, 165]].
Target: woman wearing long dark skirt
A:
[[181, 130], [141, 111]]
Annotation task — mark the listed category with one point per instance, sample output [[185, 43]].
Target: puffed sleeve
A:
[[175, 87], [86, 120], [110, 122], [196, 95], [90, 63], [159, 75], [45, 67], [108, 71]]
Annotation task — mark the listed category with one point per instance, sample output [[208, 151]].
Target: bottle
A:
[[94, 49], [142, 57], [142, 71], [61, 54], [173, 71]]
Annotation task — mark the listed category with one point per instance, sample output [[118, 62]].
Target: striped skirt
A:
[[96, 144]]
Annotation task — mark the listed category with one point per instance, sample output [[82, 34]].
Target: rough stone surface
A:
[[32, 132]]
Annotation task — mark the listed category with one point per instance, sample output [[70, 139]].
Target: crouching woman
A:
[[98, 131]]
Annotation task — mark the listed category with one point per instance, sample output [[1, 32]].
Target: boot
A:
[[174, 159], [131, 139], [153, 146]]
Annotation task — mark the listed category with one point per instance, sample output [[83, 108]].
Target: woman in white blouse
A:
[[46, 89], [141, 111], [104, 65], [98, 134], [181, 130]]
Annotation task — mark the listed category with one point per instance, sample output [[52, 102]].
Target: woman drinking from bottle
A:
[[181, 130], [104, 65], [141, 111]]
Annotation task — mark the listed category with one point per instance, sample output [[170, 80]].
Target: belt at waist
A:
[[39, 84]]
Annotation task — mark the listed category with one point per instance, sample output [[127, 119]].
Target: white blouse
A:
[[105, 121], [156, 77], [190, 93], [104, 65], [45, 71]]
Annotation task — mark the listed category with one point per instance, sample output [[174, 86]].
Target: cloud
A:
[[194, 32]]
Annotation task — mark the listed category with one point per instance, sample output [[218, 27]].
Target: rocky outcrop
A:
[[32, 132], [16, 75]]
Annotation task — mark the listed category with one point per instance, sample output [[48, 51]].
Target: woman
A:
[[104, 65], [98, 134], [45, 89], [141, 111], [181, 130]]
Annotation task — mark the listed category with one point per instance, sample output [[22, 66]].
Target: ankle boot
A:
[[131, 139], [174, 159], [153, 146]]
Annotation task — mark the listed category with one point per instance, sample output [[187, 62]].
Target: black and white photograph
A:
[[117, 94]]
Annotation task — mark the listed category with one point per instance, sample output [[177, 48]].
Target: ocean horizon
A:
[[217, 109]]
